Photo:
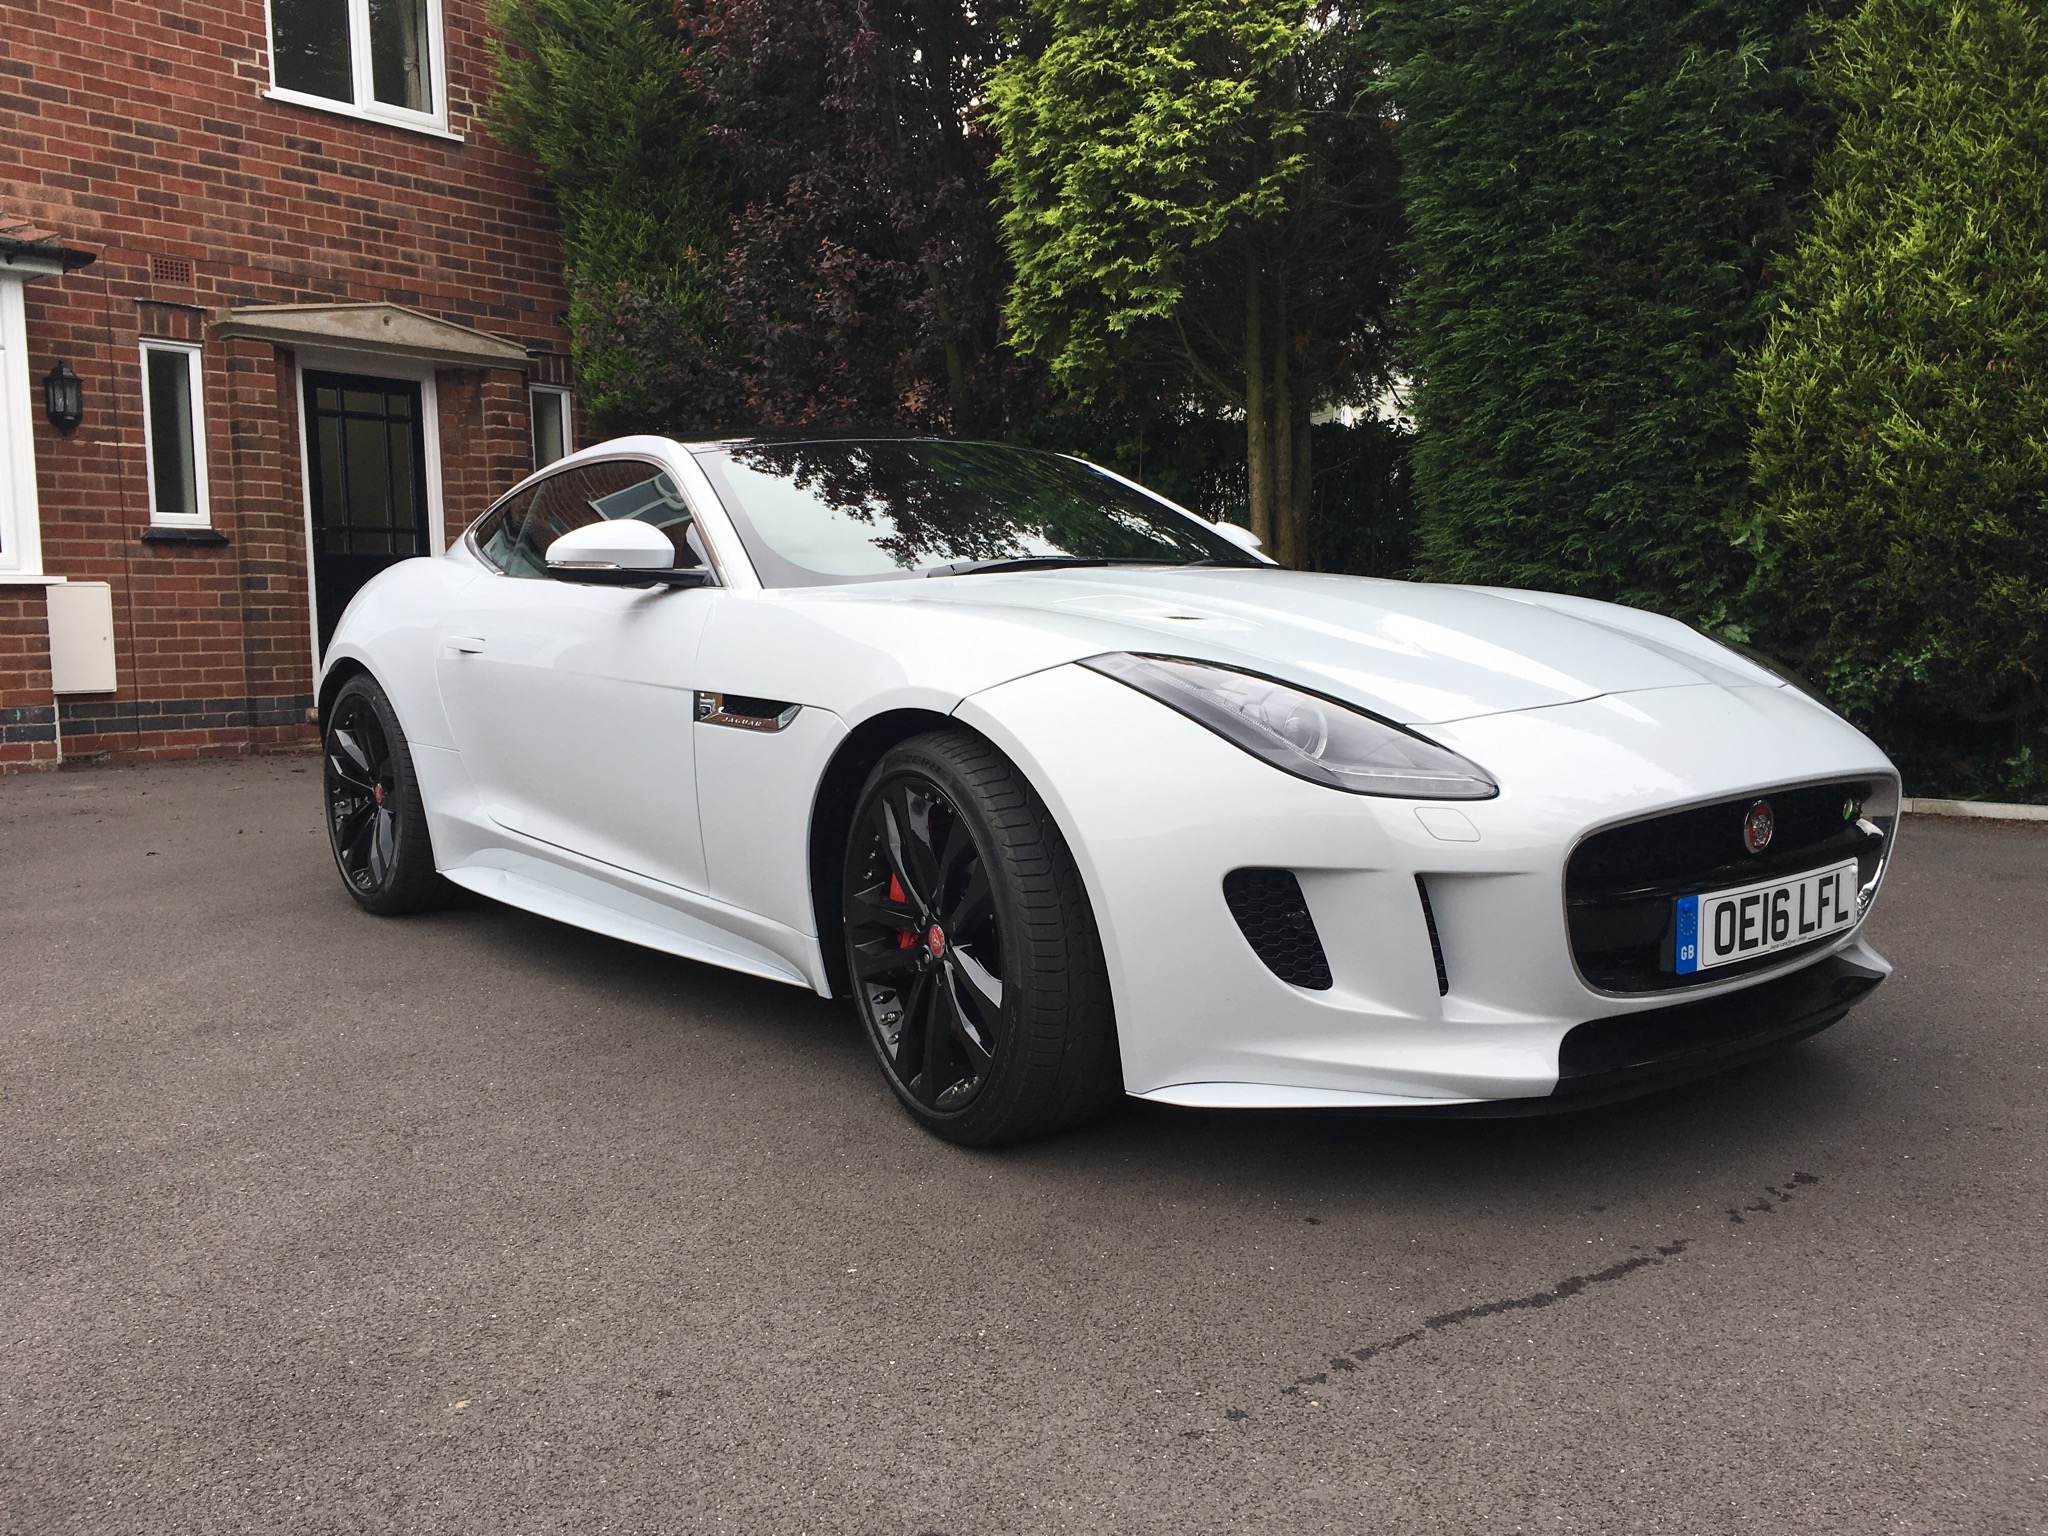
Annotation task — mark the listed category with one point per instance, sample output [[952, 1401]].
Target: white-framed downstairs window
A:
[[380, 59], [553, 424], [174, 434]]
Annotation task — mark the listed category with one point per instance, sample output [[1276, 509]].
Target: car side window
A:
[[496, 533], [610, 489]]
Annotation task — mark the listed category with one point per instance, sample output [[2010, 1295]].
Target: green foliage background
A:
[[1901, 444], [1199, 199], [1121, 170], [1595, 189], [1736, 311]]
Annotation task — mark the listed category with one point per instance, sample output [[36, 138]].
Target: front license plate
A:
[[1721, 927]]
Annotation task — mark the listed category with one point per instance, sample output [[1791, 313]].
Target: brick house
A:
[[274, 312]]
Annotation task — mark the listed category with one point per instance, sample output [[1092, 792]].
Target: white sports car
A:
[[1076, 794]]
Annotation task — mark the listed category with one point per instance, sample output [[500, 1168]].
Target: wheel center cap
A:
[[935, 941], [377, 793]]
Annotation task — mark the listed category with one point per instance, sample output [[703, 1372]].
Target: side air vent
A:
[[744, 712], [1269, 908]]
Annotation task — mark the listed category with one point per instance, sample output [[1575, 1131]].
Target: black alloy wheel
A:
[[927, 945], [970, 947], [375, 823]]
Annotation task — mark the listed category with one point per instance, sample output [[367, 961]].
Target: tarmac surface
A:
[[312, 1221]]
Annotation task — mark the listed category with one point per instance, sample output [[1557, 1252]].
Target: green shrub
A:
[[1901, 445]]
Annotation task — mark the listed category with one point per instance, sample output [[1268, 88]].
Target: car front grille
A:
[[1622, 884]]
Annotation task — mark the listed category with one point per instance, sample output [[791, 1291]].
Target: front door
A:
[[366, 467]]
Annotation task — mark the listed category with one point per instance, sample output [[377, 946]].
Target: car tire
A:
[[376, 824], [972, 950]]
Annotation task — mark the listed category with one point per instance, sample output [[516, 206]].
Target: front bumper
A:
[[1158, 810], [1641, 1052], [1607, 1060]]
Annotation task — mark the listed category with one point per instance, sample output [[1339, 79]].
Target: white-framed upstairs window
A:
[[380, 59], [174, 434], [554, 434]]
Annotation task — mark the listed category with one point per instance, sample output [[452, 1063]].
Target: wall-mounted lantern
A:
[[63, 398]]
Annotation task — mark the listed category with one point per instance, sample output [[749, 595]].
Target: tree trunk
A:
[[1258, 426], [960, 409], [1304, 490], [1282, 545]]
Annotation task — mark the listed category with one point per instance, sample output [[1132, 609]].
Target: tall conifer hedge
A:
[[597, 92], [1595, 189], [1902, 401]]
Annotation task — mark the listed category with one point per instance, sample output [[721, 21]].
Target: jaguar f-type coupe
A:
[[1074, 794]]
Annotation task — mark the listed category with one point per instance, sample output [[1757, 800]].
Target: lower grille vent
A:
[[1436, 945], [1269, 908]]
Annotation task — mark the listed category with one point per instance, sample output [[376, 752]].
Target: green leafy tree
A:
[[1595, 190], [1199, 202], [598, 92], [1901, 444]]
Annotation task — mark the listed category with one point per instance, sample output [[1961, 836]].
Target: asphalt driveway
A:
[[311, 1221]]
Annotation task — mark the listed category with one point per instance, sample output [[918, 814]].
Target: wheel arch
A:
[[832, 810], [337, 676]]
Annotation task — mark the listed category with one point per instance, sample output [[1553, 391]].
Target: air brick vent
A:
[[170, 269], [1269, 908]]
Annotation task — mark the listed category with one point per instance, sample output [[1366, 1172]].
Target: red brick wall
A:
[[484, 424], [143, 131], [27, 724]]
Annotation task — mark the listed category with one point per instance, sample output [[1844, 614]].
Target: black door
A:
[[366, 461]]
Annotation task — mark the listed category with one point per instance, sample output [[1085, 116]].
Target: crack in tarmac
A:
[[1563, 1290]]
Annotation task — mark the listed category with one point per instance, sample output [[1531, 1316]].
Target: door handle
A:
[[466, 645]]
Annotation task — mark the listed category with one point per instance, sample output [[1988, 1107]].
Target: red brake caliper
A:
[[903, 940]]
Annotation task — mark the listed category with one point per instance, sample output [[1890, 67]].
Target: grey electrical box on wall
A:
[[81, 637]]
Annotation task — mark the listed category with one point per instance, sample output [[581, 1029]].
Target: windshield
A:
[[813, 513]]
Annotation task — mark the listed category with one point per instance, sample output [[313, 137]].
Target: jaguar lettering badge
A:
[[1757, 826]]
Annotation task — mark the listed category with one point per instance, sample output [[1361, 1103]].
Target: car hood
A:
[[1413, 652]]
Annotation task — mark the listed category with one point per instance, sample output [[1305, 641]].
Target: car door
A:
[[571, 704]]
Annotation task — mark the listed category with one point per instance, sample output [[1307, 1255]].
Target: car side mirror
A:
[[621, 553]]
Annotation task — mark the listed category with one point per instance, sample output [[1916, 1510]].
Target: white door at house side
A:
[[20, 542]]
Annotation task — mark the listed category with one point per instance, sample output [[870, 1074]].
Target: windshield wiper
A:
[[1034, 563]]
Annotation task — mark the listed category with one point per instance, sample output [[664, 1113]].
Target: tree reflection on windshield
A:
[[852, 511]]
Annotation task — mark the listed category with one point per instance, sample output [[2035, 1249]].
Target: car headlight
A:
[[1301, 733]]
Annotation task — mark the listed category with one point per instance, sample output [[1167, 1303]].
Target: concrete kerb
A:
[[1982, 810]]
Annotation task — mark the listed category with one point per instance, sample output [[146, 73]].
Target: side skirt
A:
[[584, 901]]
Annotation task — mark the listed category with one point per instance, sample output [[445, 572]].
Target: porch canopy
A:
[[388, 328]]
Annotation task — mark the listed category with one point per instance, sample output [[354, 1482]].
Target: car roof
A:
[[837, 435]]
